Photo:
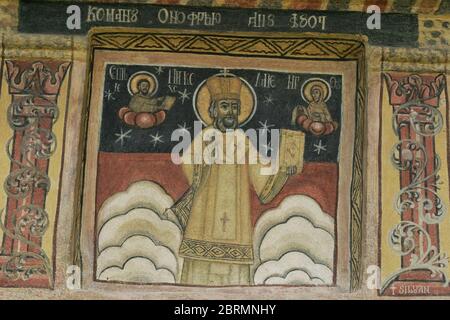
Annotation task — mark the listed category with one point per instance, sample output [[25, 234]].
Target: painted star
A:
[[184, 95], [109, 95], [122, 136], [319, 147], [159, 70], [264, 126], [183, 127], [156, 139], [268, 100]]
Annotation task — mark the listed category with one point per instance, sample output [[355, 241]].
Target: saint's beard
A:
[[226, 123]]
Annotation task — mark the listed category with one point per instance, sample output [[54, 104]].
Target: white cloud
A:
[[133, 237], [294, 205], [142, 194], [294, 268], [294, 244], [296, 277], [139, 222], [138, 270], [138, 246], [312, 231], [298, 234]]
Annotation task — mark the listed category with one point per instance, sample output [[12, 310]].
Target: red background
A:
[[117, 171]]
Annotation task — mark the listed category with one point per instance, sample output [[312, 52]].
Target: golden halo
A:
[[202, 101], [315, 82], [142, 75]]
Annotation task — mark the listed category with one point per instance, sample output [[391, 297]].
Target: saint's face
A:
[[144, 87], [316, 94], [227, 112]]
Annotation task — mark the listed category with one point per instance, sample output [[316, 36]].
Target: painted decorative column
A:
[[34, 87], [416, 122]]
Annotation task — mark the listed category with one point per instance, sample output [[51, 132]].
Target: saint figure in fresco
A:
[[142, 101], [144, 109], [215, 212], [316, 117]]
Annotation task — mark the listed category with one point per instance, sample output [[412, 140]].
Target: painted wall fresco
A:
[[93, 205], [221, 224]]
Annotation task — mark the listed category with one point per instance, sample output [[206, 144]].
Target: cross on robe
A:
[[224, 220]]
